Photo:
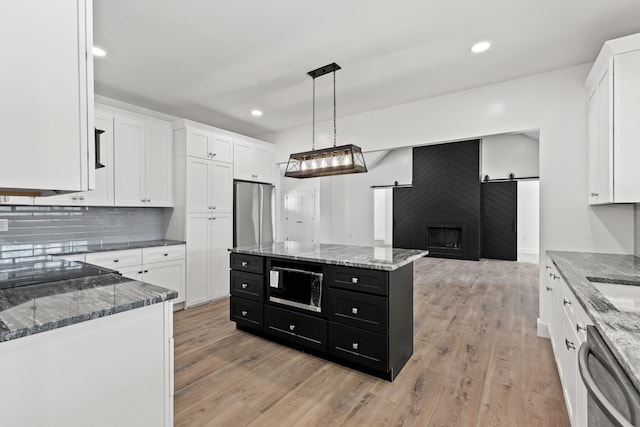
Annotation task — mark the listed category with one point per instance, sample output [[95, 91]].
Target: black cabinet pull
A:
[[569, 344], [97, 133]]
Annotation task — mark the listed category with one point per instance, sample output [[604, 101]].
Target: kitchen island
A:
[[82, 345], [349, 304]]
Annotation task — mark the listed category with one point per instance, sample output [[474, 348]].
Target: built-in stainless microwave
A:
[[295, 287]]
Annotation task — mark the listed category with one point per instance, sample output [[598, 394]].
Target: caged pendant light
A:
[[336, 160]]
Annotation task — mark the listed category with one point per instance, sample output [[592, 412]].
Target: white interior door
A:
[[299, 215]]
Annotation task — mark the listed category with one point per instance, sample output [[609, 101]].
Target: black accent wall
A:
[[445, 196]]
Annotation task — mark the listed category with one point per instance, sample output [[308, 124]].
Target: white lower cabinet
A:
[[567, 331], [161, 266], [208, 238]]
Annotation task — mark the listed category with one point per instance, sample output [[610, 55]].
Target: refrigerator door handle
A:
[[260, 208]]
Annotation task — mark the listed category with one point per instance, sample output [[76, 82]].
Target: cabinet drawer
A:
[[247, 285], [362, 280], [116, 259], [246, 313], [359, 309], [360, 346], [249, 263], [308, 331], [163, 253]]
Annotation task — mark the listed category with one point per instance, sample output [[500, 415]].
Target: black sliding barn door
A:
[[499, 220]]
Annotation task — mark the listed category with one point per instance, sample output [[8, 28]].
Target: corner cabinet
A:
[[613, 87], [47, 97], [253, 160]]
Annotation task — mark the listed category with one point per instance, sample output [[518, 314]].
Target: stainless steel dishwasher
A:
[[612, 398]]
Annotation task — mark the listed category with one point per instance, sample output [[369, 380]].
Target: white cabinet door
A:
[[159, 166], [129, 159], [570, 365], [68, 199], [198, 237], [198, 185], [169, 274], [243, 161], [16, 200], [605, 140], [198, 143], [103, 194], [46, 101], [222, 187], [222, 148], [222, 240], [263, 164]]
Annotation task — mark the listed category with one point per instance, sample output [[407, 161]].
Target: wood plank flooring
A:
[[477, 362]]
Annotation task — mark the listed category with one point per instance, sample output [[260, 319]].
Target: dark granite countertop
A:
[[32, 309], [375, 258], [620, 328]]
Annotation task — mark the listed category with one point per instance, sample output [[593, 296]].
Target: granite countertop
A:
[[375, 258], [620, 328], [28, 310]]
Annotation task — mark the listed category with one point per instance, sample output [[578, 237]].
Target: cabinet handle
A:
[[566, 302], [209, 155], [244, 286], [245, 312], [354, 310], [140, 272], [74, 197], [81, 197], [595, 194], [579, 327], [569, 344], [214, 218], [213, 154], [548, 267], [146, 271], [354, 345], [354, 280], [292, 327], [549, 289], [213, 207], [166, 254], [245, 263], [116, 260], [143, 200]]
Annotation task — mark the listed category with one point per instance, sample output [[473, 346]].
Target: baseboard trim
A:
[[543, 329]]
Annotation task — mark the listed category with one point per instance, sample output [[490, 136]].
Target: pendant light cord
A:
[[334, 109], [313, 135]]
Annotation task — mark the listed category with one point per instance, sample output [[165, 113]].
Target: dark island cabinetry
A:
[[359, 317]]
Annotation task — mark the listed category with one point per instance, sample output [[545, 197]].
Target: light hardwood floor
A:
[[477, 362]]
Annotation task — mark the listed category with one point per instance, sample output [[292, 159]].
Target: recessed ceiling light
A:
[[480, 47], [256, 113], [98, 51]]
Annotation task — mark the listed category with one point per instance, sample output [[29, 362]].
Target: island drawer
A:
[[249, 263], [246, 313], [361, 280], [247, 285], [359, 309], [308, 331], [360, 346]]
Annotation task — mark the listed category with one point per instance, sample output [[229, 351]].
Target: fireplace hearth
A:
[[445, 239]]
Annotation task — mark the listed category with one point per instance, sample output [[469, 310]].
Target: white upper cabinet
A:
[[613, 87], [222, 148], [197, 140], [46, 101], [253, 161], [143, 161]]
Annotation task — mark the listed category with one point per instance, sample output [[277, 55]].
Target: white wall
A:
[[379, 213], [528, 221], [553, 102], [510, 153]]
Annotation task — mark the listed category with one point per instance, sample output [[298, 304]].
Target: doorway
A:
[[382, 216], [299, 216]]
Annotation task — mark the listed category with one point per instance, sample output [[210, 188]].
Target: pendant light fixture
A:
[[336, 160]]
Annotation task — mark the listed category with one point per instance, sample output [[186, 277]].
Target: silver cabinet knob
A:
[[213, 154], [143, 200], [81, 197], [74, 197], [209, 154], [244, 286], [245, 263], [354, 345], [292, 327], [569, 344], [595, 194], [213, 207], [549, 289], [566, 301], [245, 312], [354, 280], [354, 310], [579, 327], [548, 267]]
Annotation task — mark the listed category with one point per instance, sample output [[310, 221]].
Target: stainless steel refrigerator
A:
[[253, 207]]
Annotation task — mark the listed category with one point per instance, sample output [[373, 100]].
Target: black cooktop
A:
[[24, 273]]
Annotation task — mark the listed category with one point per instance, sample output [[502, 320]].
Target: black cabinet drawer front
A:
[[357, 345], [249, 263], [246, 313], [359, 309], [298, 328], [362, 280], [247, 285]]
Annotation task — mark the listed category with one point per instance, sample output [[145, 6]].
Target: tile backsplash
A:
[[48, 224]]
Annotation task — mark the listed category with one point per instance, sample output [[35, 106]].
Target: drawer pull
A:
[[146, 271], [245, 263], [139, 271], [244, 286], [566, 302], [354, 280], [354, 345], [569, 344], [245, 312], [116, 260], [354, 310], [579, 327], [292, 327], [549, 289]]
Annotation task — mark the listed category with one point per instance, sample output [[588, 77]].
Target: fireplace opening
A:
[[445, 238]]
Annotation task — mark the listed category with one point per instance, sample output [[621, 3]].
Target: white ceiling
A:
[[213, 61]]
